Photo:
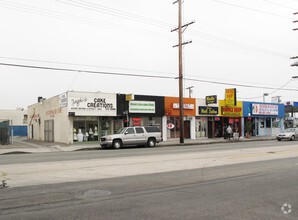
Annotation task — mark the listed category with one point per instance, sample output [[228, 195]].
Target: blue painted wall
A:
[[19, 130]]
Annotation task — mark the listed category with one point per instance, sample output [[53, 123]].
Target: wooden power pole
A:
[[181, 29]]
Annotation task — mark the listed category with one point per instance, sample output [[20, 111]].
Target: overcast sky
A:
[[234, 42]]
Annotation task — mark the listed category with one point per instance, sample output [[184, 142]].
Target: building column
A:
[[242, 127], [282, 127], [193, 128], [164, 128], [265, 127]]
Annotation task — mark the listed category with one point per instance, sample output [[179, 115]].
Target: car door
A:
[[296, 132], [140, 136], [129, 136]]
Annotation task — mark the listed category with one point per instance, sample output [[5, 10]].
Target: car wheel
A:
[[117, 144], [293, 138], [279, 139], [151, 142]]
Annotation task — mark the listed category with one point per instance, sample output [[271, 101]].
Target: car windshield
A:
[[120, 131], [290, 130]]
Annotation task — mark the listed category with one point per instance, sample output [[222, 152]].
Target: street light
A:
[[264, 94], [190, 90]]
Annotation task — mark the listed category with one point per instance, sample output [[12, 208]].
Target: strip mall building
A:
[[83, 117]]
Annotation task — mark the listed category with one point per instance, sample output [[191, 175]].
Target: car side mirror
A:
[[126, 132]]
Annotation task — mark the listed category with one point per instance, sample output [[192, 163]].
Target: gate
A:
[[4, 132], [49, 130]]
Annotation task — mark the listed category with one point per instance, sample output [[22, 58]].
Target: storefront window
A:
[[117, 125], [85, 129], [268, 122], [201, 127], [146, 121], [275, 122], [105, 127], [173, 132], [261, 122]]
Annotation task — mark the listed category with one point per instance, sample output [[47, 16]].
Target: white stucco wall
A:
[[17, 116], [49, 109]]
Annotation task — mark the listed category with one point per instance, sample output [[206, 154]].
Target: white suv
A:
[[131, 136]]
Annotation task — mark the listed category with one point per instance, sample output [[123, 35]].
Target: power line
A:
[[118, 68], [98, 23], [251, 9], [73, 18], [86, 65], [137, 75], [280, 5]]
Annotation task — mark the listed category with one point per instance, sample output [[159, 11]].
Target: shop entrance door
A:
[[210, 128], [49, 130], [186, 129]]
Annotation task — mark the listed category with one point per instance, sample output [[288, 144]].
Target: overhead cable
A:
[[135, 75]]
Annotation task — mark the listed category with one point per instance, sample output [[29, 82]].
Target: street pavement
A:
[[24, 145]]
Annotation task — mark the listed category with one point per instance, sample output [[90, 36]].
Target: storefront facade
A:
[[207, 111], [262, 119], [73, 117], [140, 110], [172, 120], [229, 116]]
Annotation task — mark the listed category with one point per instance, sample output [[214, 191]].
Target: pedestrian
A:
[[229, 131]]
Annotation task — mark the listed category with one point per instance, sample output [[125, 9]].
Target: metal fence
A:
[[4, 132]]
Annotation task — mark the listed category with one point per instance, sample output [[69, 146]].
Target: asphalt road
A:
[[134, 151], [246, 191], [200, 184]]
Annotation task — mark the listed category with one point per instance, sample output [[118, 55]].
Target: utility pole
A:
[[295, 29], [180, 44], [296, 63]]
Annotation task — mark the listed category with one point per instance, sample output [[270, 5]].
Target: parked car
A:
[[289, 133], [132, 136]]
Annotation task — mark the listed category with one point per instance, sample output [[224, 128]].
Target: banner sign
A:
[[231, 111], [185, 106], [211, 99], [264, 109], [231, 97], [204, 110], [141, 107], [129, 97], [63, 100]]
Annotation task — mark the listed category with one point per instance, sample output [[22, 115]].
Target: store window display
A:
[[85, 129]]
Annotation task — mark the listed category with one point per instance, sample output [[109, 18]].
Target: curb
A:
[[50, 149]]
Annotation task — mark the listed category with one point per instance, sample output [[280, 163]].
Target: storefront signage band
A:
[[211, 99], [263, 109], [141, 107], [231, 111], [185, 106], [92, 104], [204, 110]]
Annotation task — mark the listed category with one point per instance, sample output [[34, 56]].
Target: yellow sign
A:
[[230, 111], [129, 97], [230, 97]]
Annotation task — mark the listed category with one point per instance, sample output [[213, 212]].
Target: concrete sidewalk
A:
[[23, 145]]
